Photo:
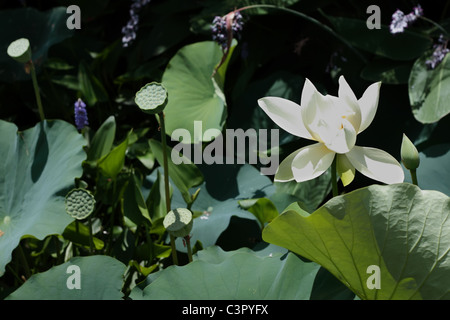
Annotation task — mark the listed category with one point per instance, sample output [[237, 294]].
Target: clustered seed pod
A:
[[80, 203], [179, 222], [152, 98], [20, 50]]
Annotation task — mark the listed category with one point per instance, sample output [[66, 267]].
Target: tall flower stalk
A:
[[152, 99], [20, 50], [166, 181], [130, 29], [36, 90]]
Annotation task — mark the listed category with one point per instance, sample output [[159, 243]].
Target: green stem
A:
[[108, 247], [189, 249], [174, 249], [414, 176], [58, 255], [77, 229], [310, 19], [434, 24], [16, 276], [150, 244], [334, 178], [24, 262], [91, 238], [166, 181], [36, 91]]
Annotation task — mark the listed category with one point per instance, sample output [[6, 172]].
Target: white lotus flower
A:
[[334, 122]]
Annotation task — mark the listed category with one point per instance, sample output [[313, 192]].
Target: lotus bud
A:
[[409, 154]]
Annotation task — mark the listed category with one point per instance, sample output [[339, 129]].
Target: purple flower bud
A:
[[81, 118], [220, 30], [418, 11]]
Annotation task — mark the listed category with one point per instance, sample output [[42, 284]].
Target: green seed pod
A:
[[179, 222], [80, 203], [152, 98], [409, 154], [20, 50]]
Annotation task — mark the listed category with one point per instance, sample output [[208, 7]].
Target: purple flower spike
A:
[[81, 118], [439, 53], [129, 31], [219, 31], [401, 21]]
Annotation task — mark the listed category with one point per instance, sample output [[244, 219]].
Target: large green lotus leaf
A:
[[433, 172], [38, 168], [219, 197], [194, 94], [399, 228], [43, 29], [235, 275], [429, 90], [218, 200], [100, 278]]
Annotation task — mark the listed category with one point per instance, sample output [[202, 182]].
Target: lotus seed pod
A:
[[80, 203], [179, 222], [409, 154], [20, 50], [152, 98]]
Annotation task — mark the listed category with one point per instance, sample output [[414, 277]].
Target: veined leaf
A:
[[240, 275], [103, 140], [39, 167], [99, 278], [429, 90], [112, 163], [193, 92], [400, 229]]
